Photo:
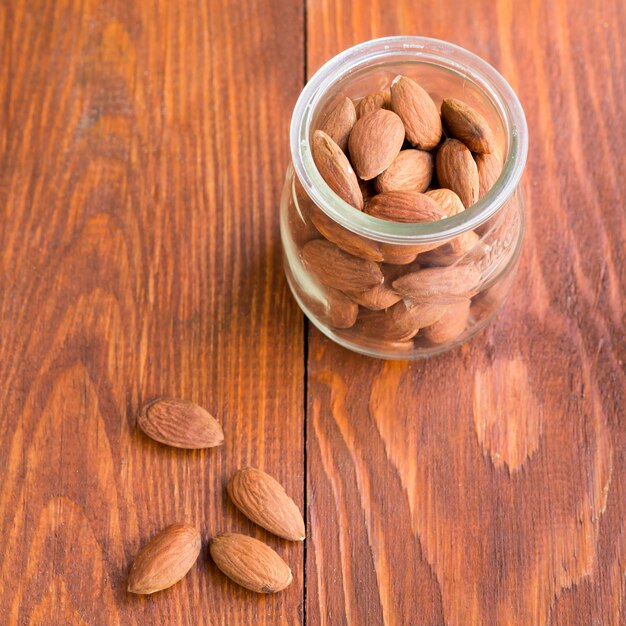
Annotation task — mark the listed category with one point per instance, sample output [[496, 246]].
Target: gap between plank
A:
[[306, 361]]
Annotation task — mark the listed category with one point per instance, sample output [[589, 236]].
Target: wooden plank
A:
[[143, 146], [488, 486]]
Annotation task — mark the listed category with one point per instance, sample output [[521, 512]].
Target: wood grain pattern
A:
[[488, 486], [142, 150]]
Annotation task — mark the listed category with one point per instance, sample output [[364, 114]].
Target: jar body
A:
[[381, 321], [379, 292]]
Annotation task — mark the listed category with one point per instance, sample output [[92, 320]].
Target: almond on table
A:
[[165, 559], [250, 563], [263, 499], [180, 423]]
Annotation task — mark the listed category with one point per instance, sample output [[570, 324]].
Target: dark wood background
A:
[[142, 152]]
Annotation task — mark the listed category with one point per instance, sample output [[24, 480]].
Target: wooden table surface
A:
[[143, 146]]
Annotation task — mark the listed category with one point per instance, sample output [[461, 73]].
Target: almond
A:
[[400, 322], [394, 324], [336, 310], [451, 324], [404, 206], [396, 254], [489, 170], [456, 170], [399, 346], [417, 111], [335, 169], [426, 314], [376, 298], [393, 271], [263, 499], [347, 240], [464, 248], [375, 141], [250, 563], [487, 302], [373, 102], [180, 423], [339, 122], [165, 560], [465, 123], [336, 268], [447, 200], [300, 226], [410, 170], [439, 285]]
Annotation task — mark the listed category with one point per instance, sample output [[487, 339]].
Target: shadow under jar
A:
[[403, 290]]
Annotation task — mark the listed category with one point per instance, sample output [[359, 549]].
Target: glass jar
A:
[[437, 283]]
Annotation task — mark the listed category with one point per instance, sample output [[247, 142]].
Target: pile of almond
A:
[[395, 155], [170, 554]]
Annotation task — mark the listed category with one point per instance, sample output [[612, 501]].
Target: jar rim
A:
[[488, 79]]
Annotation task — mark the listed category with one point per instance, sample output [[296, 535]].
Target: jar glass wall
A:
[[433, 284]]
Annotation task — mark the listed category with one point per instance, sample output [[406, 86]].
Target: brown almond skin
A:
[[264, 500], [394, 324], [456, 170], [489, 169], [299, 217], [447, 200], [404, 206], [417, 111], [335, 268], [340, 310], [396, 254], [377, 298], [250, 563], [335, 169], [339, 122], [348, 241], [411, 170], [373, 102], [457, 250], [439, 285], [398, 323], [375, 141], [466, 124], [451, 324], [165, 560], [180, 423]]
